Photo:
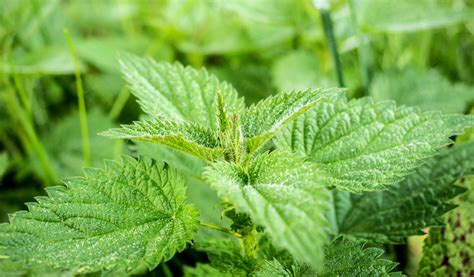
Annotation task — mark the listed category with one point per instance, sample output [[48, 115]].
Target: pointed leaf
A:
[[365, 145], [189, 138], [343, 257], [417, 202], [347, 257], [261, 121], [272, 268], [280, 192], [177, 93], [128, 216]]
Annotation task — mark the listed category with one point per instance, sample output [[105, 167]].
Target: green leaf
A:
[[126, 217], [468, 134], [344, 256], [261, 121], [205, 270], [348, 257], [198, 192], [190, 138], [415, 203], [14, 269], [226, 256], [178, 93], [428, 90], [289, 204], [272, 268], [9, 268], [408, 15], [449, 250], [365, 145]]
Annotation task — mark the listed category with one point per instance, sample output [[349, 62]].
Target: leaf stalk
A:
[[86, 151], [221, 229]]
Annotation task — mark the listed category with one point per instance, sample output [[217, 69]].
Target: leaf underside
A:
[[126, 217], [280, 192], [365, 146], [189, 138]]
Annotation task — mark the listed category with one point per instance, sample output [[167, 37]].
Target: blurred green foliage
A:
[[419, 53]]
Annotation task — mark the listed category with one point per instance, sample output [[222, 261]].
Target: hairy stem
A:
[[86, 151], [250, 243], [221, 229]]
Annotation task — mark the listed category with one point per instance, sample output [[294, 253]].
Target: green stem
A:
[[361, 51], [424, 49], [166, 270], [118, 146], [21, 91], [329, 32], [36, 145], [81, 103], [221, 229], [119, 103]]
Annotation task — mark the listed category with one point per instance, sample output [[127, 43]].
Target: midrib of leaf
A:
[[365, 145], [307, 100], [121, 230], [210, 115], [321, 129], [150, 202], [280, 211], [277, 201], [289, 115]]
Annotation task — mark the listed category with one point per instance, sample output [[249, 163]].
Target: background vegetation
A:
[[60, 83]]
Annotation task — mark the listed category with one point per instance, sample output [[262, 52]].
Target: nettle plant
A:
[[305, 178]]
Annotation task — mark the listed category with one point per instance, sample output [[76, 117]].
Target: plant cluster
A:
[[238, 155], [338, 173]]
